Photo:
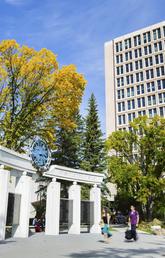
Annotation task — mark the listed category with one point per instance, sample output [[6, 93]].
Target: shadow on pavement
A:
[[120, 253], [4, 242], [119, 225]]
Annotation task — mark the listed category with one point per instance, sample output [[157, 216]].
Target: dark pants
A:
[[133, 229]]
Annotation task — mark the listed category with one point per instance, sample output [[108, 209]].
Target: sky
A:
[[76, 31]]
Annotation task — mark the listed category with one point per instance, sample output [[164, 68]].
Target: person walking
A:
[[105, 229], [134, 221]]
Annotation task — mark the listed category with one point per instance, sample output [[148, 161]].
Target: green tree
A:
[[68, 144], [93, 155], [138, 163], [68, 148], [35, 95]]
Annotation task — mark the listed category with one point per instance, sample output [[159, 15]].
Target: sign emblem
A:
[[40, 154]]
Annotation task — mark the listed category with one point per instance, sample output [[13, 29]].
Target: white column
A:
[[95, 197], [74, 195], [23, 187], [53, 208], [4, 180]]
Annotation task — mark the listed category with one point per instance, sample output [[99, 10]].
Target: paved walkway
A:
[[84, 245]]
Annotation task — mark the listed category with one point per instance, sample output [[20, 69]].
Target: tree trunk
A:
[[149, 208]]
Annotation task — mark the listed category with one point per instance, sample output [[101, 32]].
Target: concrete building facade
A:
[[135, 76]]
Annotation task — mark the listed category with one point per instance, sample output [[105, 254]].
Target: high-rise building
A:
[[135, 76]]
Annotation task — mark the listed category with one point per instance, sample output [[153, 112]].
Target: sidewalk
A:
[[84, 245]]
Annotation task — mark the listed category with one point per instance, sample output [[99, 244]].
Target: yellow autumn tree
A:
[[35, 95]]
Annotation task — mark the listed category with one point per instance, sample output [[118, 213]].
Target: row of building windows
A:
[[147, 62], [139, 76], [140, 39], [140, 89], [150, 85], [148, 50], [131, 116], [141, 102]]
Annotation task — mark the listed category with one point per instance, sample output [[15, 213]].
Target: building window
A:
[[149, 100], [119, 107], [161, 97], [140, 89], [120, 81], [138, 52], [126, 68], [158, 46], [126, 56], [148, 61], [122, 93], [146, 37], [159, 59], [129, 67], [119, 70], [152, 112], [128, 92], [141, 102], [123, 106], [119, 58], [129, 79], [150, 86], [138, 64], [149, 74], [129, 104], [153, 100], [131, 116], [127, 43], [156, 34], [137, 40], [119, 46], [161, 84], [161, 111], [141, 113], [121, 119], [160, 71], [147, 50], [139, 76]]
